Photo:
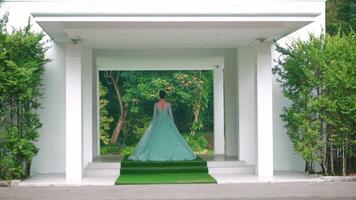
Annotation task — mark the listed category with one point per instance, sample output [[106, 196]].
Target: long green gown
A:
[[162, 140]]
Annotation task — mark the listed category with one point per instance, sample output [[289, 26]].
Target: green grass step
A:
[[162, 164], [173, 178], [130, 163], [166, 169]]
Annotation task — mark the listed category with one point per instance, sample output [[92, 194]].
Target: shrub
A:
[[197, 142], [22, 60], [319, 77]]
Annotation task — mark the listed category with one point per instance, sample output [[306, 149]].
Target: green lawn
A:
[[173, 178], [164, 172]]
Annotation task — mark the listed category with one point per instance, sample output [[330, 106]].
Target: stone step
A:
[[101, 172], [232, 163], [230, 167], [102, 169], [105, 165], [247, 169], [214, 167]]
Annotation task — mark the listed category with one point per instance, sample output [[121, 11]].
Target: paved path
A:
[[278, 191]]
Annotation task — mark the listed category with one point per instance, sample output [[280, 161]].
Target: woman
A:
[[162, 140]]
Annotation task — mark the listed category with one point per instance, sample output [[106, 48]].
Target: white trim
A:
[[98, 112], [141, 63]]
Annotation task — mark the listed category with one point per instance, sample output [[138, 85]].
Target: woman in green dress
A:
[[162, 140]]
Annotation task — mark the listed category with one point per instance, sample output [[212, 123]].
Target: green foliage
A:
[[197, 142], [340, 15], [134, 129], [186, 90], [22, 60], [197, 126], [319, 77], [105, 119], [109, 149], [127, 150], [113, 149], [194, 88]]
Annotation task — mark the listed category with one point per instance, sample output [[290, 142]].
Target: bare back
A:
[[162, 104]]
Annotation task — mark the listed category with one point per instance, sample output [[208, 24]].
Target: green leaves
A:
[[22, 60], [105, 119], [340, 16], [319, 77]]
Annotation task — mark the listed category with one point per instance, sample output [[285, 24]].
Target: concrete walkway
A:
[[279, 177], [279, 191]]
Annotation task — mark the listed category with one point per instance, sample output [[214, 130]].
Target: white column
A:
[[219, 136], [74, 116], [87, 93], [264, 109], [246, 57]]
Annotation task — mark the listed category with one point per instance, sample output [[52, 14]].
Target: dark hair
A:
[[162, 94]]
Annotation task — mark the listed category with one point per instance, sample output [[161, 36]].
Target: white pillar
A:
[[219, 136], [74, 116], [246, 104], [264, 109], [87, 99]]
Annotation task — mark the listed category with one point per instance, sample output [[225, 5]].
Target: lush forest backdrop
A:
[[126, 107]]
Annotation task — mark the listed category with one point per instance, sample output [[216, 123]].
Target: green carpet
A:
[[163, 172]]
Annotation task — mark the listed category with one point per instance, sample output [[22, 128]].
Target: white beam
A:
[[73, 114], [264, 110]]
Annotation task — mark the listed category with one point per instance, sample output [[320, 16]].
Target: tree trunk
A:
[[331, 152], [349, 164], [312, 168], [196, 117], [123, 108], [325, 140], [118, 127], [343, 158], [306, 169]]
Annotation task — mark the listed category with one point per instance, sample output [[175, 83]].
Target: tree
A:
[[105, 119], [340, 14], [22, 60], [139, 90], [319, 77], [113, 78], [194, 88]]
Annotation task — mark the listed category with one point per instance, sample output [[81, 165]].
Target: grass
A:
[[172, 178], [163, 172]]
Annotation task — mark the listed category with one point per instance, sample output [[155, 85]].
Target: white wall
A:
[[51, 157]]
